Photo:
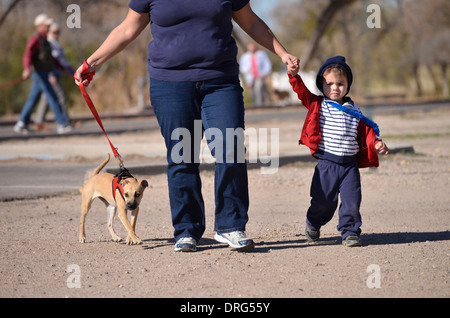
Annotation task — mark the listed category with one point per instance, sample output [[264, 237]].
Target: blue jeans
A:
[[216, 104], [42, 85]]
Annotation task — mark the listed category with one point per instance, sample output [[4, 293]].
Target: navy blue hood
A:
[[337, 60]]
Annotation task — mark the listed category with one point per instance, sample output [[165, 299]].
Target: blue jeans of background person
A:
[[331, 179], [219, 104], [42, 85]]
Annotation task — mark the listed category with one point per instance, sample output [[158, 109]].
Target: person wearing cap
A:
[[343, 140], [38, 63], [55, 77]]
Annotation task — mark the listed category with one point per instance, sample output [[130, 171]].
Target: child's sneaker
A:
[[236, 239], [311, 235], [352, 240], [186, 244]]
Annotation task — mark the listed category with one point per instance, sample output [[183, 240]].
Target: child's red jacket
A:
[[310, 137]]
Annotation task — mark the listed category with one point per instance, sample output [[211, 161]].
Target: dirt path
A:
[[405, 209]]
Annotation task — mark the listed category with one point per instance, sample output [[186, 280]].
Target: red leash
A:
[[11, 83], [89, 76]]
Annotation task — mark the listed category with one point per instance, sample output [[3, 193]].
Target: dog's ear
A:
[[144, 183]]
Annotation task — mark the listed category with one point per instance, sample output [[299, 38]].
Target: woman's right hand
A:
[[84, 74]]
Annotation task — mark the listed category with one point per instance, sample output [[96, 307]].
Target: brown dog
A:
[[118, 193]]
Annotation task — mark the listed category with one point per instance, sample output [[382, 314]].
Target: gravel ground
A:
[[406, 235]]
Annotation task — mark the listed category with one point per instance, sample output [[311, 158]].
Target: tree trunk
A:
[[445, 91], [417, 79], [434, 79]]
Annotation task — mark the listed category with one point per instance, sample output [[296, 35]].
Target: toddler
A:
[[343, 140]]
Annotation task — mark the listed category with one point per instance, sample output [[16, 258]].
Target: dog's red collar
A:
[[116, 183]]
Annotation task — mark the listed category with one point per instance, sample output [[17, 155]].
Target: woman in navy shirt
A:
[[195, 89]]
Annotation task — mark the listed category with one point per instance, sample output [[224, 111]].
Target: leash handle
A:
[[85, 75], [89, 75]]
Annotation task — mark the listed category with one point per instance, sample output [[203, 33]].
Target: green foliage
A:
[[12, 97]]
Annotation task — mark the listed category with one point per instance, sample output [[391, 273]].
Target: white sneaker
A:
[[186, 244], [21, 128], [236, 239], [63, 129]]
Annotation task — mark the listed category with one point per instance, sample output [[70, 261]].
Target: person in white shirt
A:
[[256, 67]]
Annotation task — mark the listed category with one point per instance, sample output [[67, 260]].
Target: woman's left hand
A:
[[292, 62]]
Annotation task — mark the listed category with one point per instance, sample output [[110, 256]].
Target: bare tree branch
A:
[[8, 11], [389, 25], [324, 20]]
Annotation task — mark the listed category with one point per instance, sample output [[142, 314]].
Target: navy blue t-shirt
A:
[[191, 38]]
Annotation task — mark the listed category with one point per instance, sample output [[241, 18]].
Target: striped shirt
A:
[[338, 130]]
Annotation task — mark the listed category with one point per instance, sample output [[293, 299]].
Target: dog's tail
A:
[[101, 166], [90, 173]]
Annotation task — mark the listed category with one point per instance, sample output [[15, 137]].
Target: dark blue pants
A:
[[331, 179], [184, 111]]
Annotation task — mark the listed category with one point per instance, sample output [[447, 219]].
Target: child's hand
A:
[[381, 147], [292, 63]]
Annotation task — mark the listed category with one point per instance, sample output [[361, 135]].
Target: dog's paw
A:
[[131, 241], [117, 239], [82, 239]]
